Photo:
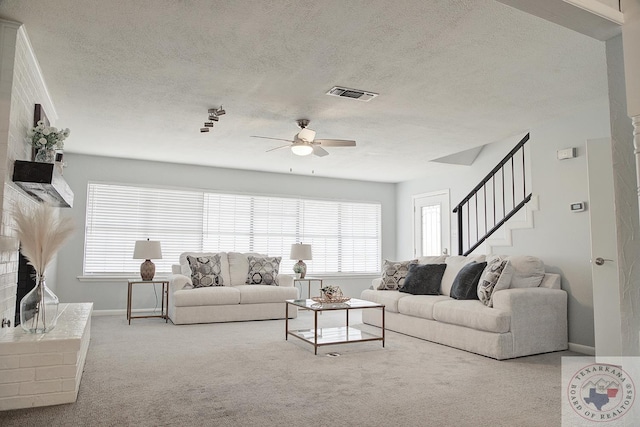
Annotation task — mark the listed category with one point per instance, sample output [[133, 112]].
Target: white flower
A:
[[42, 141], [46, 131]]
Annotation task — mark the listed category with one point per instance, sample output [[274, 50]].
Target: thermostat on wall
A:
[[567, 153], [577, 207]]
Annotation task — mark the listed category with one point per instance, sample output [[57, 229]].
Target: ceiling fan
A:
[[304, 142]]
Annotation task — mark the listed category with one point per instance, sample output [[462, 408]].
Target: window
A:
[[345, 236]]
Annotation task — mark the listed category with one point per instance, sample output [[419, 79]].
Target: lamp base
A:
[[147, 270], [301, 267]]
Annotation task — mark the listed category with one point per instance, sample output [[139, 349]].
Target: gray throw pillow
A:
[[263, 270], [465, 285], [423, 279], [205, 271], [393, 274]]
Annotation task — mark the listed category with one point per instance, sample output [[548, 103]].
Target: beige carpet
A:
[[246, 374]]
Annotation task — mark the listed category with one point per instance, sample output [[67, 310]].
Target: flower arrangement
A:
[[48, 137], [331, 290], [41, 233]]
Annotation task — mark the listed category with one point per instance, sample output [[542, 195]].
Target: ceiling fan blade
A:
[[335, 142], [319, 151], [268, 137], [277, 148]]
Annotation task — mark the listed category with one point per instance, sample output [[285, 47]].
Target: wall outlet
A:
[[577, 207]]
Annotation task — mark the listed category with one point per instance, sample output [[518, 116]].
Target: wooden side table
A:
[[164, 313], [308, 280]]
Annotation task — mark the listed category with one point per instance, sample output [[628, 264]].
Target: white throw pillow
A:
[[528, 271], [454, 265]]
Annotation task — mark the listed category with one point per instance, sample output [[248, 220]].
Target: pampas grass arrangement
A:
[[41, 233]]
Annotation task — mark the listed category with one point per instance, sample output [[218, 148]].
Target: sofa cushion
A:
[[388, 298], [496, 277], [420, 305], [394, 273], [423, 279], [214, 295], [528, 271], [224, 263], [239, 267], [263, 270], [205, 271], [257, 294], [465, 285], [440, 259], [472, 314], [454, 264]]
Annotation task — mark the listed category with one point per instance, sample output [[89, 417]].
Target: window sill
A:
[[117, 278], [164, 276]]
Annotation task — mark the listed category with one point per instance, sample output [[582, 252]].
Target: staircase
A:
[[496, 199]]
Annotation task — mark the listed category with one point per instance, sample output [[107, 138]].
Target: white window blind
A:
[[345, 236]]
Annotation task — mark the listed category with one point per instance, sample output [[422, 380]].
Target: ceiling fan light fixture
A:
[[208, 124], [220, 111], [302, 149], [204, 130], [307, 135], [213, 117]]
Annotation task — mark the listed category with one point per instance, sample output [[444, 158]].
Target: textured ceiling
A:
[[134, 79]]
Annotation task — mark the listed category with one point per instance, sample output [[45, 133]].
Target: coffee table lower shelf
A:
[[330, 336]]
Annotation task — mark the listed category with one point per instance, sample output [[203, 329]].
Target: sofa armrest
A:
[[285, 280], [178, 282], [538, 318]]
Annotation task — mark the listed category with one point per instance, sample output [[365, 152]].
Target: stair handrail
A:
[[492, 173], [482, 186]]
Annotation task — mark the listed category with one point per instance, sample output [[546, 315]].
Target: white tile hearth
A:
[[45, 369]]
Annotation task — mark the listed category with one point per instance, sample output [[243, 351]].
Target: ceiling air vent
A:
[[360, 95]]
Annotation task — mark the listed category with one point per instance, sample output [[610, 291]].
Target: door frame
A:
[[446, 217]]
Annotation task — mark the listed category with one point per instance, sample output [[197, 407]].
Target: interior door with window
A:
[[431, 223]]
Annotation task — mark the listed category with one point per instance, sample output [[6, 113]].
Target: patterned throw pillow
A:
[[263, 270], [205, 271], [394, 273], [496, 276]]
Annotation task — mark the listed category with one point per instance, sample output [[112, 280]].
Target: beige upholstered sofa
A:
[[522, 321], [234, 301]]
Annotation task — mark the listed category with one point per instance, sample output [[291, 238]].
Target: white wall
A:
[[560, 238], [21, 87], [111, 294]]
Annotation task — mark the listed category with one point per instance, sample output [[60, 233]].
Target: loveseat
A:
[[525, 312], [225, 291]]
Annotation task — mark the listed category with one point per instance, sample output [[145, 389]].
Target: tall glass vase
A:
[[39, 309]]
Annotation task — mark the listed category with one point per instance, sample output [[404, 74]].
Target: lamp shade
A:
[[300, 251], [147, 249]]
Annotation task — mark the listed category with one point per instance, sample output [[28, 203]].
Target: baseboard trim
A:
[[123, 312], [583, 349]]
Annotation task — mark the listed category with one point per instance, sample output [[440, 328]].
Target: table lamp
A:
[[147, 250], [300, 251]]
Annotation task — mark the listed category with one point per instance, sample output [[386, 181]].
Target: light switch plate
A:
[[577, 207]]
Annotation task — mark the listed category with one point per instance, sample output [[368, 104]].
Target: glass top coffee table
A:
[[326, 336]]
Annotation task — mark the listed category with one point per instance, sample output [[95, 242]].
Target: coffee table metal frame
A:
[[330, 336]]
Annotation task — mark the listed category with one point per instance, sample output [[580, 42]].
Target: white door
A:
[[604, 252], [431, 219]]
